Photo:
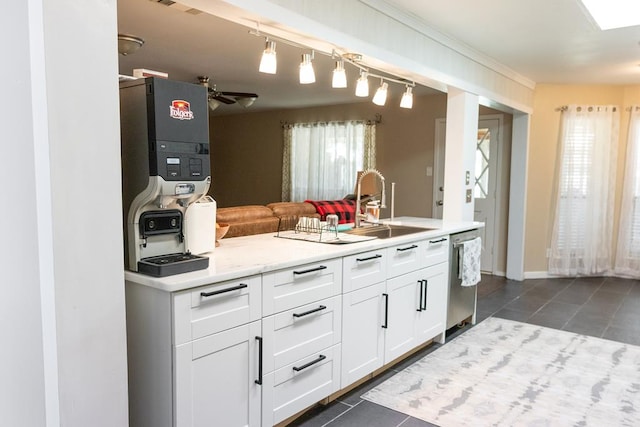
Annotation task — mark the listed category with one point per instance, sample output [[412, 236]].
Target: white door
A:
[[486, 173]]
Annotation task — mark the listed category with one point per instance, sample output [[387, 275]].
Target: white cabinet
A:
[[194, 355], [215, 379], [393, 304], [302, 327], [362, 332]]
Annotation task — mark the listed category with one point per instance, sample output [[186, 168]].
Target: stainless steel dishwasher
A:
[[462, 300]]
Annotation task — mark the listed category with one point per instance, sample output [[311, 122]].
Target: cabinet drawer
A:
[[299, 385], [209, 309], [404, 258], [362, 270], [300, 332], [436, 250], [304, 284]]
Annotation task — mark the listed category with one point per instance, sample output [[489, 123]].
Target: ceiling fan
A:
[[216, 97]]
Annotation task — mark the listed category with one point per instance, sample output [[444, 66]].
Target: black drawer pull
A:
[[369, 258], [386, 311], [222, 291], [311, 270], [408, 248], [313, 362], [438, 241], [423, 303], [322, 307], [420, 282], [259, 380]]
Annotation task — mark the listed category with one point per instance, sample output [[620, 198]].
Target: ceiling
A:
[[546, 41]]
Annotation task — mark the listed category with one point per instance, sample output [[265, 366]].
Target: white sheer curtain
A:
[[581, 242], [628, 253], [321, 160]]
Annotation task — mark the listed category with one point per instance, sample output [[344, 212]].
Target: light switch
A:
[[467, 178], [429, 171]]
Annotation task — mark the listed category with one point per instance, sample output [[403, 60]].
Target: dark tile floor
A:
[[601, 307]]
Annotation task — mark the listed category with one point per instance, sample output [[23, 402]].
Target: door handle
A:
[[424, 302], [259, 380], [222, 291], [420, 299], [386, 311], [439, 203]]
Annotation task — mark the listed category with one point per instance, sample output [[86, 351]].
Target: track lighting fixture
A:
[[407, 98], [339, 75], [307, 75], [268, 63], [381, 94], [362, 86]]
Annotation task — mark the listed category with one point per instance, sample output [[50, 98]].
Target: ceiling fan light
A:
[[339, 75], [307, 75], [407, 98], [269, 63], [213, 104], [380, 98], [245, 101], [362, 86]]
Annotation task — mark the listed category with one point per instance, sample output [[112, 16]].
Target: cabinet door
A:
[[215, 379], [432, 316], [400, 310], [362, 333]]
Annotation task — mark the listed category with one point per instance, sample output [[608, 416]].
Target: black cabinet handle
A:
[[369, 258], [259, 380], [322, 307], [438, 241], [426, 284], [311, 270], [222, 291], [386, 311], [313, 362], [420, 282], [408, 248]]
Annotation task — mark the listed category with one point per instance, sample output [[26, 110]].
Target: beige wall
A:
[[246, 150], [543, 147]]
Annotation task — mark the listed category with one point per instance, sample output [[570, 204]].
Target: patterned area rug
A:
[[506, 373]]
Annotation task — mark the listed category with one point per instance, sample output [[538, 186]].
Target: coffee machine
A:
[[165, 168]]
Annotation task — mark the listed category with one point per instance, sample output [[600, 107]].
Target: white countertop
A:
[[245, 256]]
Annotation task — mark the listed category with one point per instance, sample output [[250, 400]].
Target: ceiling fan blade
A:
[[240, 94], [218, 97]]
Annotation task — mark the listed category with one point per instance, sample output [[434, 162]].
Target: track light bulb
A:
[[407, 99], [339, 75], [307, 75], [362, 86], [381, 94], [268, 63]]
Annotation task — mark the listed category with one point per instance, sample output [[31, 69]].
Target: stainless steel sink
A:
[[385, 231]]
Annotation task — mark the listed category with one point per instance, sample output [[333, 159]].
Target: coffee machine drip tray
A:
[[168, 265]]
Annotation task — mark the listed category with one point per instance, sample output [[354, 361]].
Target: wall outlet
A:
[[467, 178], [469, 195], [429, 171]]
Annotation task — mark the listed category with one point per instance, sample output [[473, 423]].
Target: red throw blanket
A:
[[345, 209]]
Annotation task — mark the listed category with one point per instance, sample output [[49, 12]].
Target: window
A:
[[585, 187], [628, 254], [321, 160]]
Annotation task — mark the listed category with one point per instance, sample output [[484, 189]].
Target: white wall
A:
[[22, 365], [63, 319]]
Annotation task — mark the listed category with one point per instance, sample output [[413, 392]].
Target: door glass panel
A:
[[481, 187]]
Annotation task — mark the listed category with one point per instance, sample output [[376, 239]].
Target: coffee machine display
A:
[[165, 169]]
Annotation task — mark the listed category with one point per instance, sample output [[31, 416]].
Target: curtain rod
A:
[[566, 107], [377, 120]]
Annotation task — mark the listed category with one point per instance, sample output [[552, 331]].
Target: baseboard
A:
[[538, 275]]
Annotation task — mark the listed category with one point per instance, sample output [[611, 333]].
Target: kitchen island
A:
[[275, 325]]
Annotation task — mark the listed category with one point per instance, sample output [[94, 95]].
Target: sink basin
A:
[[385, 231]]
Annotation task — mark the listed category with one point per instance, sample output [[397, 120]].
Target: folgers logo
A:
[[180, 110]]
